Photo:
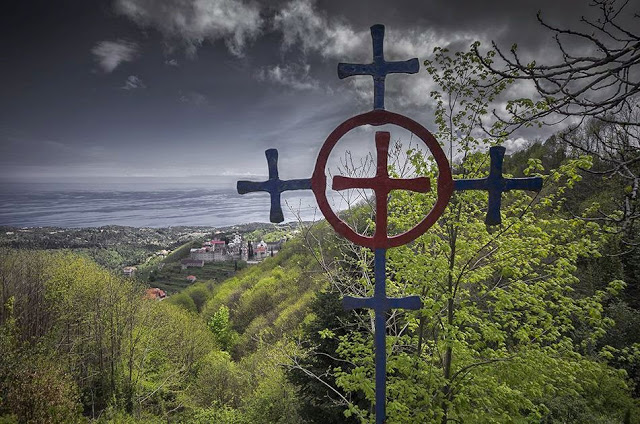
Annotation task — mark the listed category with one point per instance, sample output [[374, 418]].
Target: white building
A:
[[129, 271]]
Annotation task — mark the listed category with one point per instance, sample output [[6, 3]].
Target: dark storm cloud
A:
[[224, 79]]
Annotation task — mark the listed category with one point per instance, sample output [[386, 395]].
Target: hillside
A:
[[543, 301]]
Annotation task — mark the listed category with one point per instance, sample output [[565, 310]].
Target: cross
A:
[[496, 184], [274, 186], [381, 184], [379, 68]]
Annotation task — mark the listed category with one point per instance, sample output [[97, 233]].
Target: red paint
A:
[[381, 183]]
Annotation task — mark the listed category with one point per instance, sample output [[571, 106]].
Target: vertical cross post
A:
[[381, 184], [496, 184], [274, 186], [379, 68], [380, 303]]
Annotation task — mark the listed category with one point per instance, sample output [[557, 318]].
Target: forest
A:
[[535, 320]]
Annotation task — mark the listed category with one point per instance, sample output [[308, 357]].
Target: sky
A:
[[176, 88]]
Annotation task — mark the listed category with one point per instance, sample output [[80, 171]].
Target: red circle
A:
[[377, 118]]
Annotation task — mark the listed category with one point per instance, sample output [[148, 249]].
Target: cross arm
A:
[[471, 184], [420, 184], [408, 302], [529, 183], [411, 66], [245, 187], [351, 302], [300, 184], [344, 183], [346, 70]]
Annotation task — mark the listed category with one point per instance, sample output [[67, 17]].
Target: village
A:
[[235, 249], [211, 258]]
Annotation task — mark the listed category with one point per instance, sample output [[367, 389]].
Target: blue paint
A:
[[379, 68], [274, 186], [496, 184], [380, 303]]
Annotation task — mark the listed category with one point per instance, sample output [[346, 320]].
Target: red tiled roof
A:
[[155, 293]]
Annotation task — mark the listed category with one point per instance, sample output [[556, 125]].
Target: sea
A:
[[143, 202]]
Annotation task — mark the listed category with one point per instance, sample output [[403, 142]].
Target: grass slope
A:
[[270, 299]]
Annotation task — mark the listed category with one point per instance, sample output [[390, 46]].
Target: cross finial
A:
[[496, 184], [379, 68], [274, 186]]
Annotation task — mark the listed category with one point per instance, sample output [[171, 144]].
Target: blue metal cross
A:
[[380, 303], [379, 68], [496, 184], [381, 184], [274, 186]]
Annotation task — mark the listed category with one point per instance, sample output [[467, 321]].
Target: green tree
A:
[[34, 387], [221, 328], [496, 339], [313, 373]]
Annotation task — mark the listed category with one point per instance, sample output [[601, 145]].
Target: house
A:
[[216, 244], [274, 247], [155, 294], [188, 263], [205, 254], [214, 250], [260, 250], [129, 271], [191, 278], [235, 250]]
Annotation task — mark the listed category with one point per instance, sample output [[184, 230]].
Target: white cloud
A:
[[194, 21], [294, 76], [171, 62], [516, 145], [133, 82], [301, 23], [110, 54]]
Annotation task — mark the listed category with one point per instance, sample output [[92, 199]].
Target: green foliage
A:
[[184, 301], [322, 401], [171, 346], [270, 234], [34, 387], [273, 399], [101, 349], [181, 252], [220, 381], [172, 278], [220, 326], [503, 335], [218, 415], [90, 339], [268, 300], [199, 295]]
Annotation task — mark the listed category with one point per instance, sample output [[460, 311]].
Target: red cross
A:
[[381, 185]]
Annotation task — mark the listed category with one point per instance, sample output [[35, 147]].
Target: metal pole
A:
[[380, 335]]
